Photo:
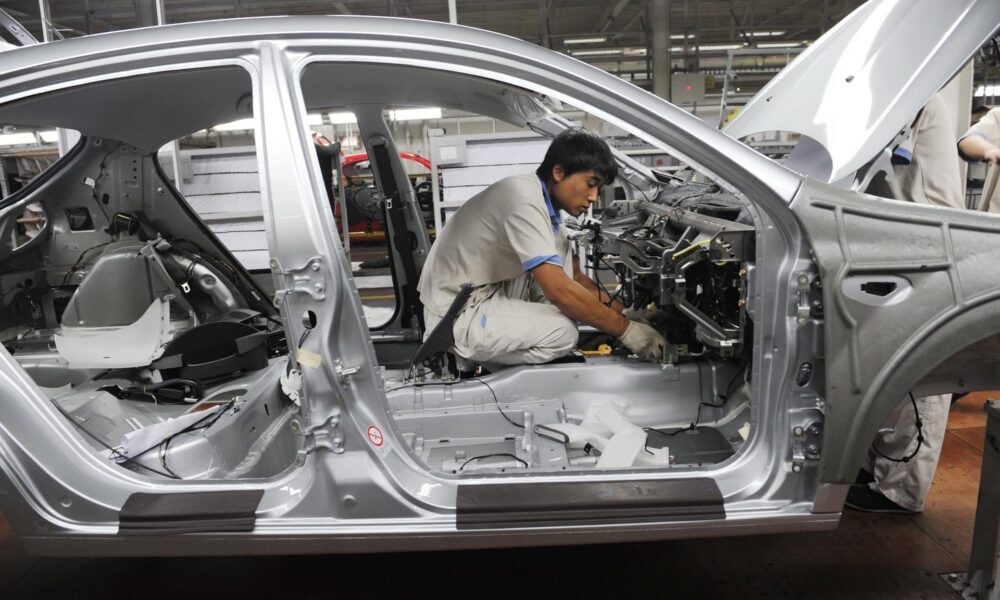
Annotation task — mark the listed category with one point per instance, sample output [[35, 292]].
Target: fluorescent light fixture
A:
[[342, 118], [780, 44], [17, 139], [766, 33], [314, 119], [719, 47], [49, 136], [634, 51], [241, 125], [600, 52], [586, 40], [415, 114], [987, 90], [681, 36]]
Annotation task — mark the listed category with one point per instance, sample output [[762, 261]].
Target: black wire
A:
[[507, 454], [196, 426], [79, 259], [723, 398], [117, 454], [509, 420], [495, 399], [920, 437]]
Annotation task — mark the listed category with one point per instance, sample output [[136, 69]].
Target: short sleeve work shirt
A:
[[507, 229]]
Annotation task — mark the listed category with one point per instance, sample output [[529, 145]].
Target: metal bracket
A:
[[343, 372], [308, 279], [807, 432], [809, 301], [325, 435]]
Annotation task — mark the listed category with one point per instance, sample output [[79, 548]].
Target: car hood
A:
[[860, 84]]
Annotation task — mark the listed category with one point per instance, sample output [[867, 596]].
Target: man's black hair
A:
[[578, 150]]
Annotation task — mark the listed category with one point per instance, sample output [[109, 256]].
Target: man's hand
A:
[[644, 341], [639, 315], [992, 154]]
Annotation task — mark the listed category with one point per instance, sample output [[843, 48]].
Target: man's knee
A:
[[563, 336]]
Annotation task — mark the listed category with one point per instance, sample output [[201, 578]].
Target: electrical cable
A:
[[480, 381], [722, 397], [680, 253], [920, 437], [507, 454], [115, 452]]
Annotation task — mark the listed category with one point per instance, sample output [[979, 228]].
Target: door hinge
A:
[[308, 279], [809, 301], [325, 435]]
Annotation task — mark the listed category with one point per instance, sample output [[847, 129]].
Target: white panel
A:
[[501, 151], [373, 282], [480, 176], [243, 240], [216, 182], [461, 194], [254, 260], [225, 203], [226, 226]]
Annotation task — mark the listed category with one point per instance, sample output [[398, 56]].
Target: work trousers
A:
[[511, 323], [907, 483]]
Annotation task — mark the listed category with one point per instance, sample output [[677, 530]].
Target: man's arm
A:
[[977, 147], [596, 289], [576, 301]]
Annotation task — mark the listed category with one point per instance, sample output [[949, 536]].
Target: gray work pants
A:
[[907, 483], [511, 323]]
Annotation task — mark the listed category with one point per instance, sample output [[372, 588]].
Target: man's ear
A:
[[558, 173]]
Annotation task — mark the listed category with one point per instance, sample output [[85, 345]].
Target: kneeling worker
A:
[[510, 243]]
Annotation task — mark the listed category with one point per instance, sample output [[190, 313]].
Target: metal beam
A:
[[544, 35], [660, 17], [608, 19], [342, 8], [452, 12]]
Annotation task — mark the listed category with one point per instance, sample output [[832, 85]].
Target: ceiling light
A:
[[241, 125], [780, 44], [314, 119], [987, 90], [17, 139], [681, 36], [342, 118], [601, 52], [415, 114], [589, 40], [705, 47], [766, 33], [634, 51]]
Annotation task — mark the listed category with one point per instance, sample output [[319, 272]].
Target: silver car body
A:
[[340, 491]]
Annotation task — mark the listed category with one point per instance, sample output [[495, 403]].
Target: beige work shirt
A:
[[989, 128], [929, 173], [507, 229]]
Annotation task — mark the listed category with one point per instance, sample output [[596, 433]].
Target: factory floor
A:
[[868, 556]]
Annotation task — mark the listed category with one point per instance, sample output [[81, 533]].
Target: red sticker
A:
[[375, 435]]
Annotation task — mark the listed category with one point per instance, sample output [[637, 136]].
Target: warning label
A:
[[375, 435]]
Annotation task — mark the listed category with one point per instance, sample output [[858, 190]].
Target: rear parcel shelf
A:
[[585, 503], [189, 512]]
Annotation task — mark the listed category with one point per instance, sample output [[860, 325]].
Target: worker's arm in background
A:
[[597, 290], [976, 147]]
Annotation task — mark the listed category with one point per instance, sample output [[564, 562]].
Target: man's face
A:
[[574, 193]]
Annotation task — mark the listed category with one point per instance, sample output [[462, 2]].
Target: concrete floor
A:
[[868, 556]]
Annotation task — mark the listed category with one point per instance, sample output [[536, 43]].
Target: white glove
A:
[[644, 341], [640, 315]]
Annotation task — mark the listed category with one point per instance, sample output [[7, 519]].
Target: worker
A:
[[982, 143], [529, 291], [902, 461]]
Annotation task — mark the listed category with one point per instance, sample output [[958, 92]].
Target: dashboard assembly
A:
[[686, 257]]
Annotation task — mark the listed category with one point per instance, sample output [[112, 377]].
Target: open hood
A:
[[854, 90]]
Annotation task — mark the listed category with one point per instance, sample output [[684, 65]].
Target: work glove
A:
[[640, 315], [644, 341]]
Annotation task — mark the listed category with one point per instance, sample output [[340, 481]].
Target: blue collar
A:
[[553, 213]]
